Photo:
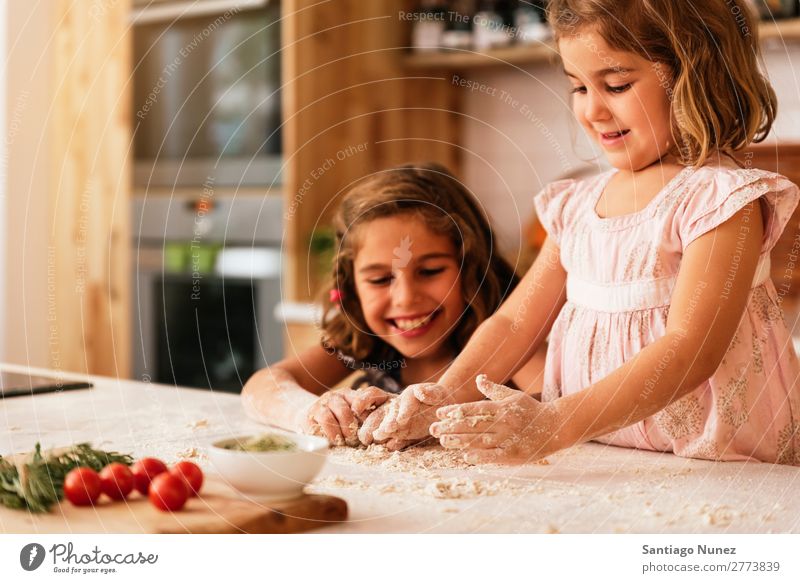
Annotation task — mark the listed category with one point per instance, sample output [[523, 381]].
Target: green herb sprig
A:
[[39, 483]]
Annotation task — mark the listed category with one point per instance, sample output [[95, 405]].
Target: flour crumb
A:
[[552, 529], [200, 423], [717, 516], [454, 488], [340, 482], [189, 452]]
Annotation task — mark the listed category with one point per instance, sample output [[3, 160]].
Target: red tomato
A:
[[116, 480], [168, 492], [144, 471], [191, 474], [82, 486]]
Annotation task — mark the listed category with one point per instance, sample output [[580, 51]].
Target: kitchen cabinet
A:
[[67, 281]]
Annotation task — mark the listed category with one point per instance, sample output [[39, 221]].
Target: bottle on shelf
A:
[[458, 29], [429, 25], [490, 29], [529, 25]]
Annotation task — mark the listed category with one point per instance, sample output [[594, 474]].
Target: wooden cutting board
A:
[[218, 510]]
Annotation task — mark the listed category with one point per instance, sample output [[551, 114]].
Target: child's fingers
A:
[[329, 425], [397, 444], [407, 409], [389, 426], [470, 441], [475, 409], [367, 400], [476, 424], [492, 390], [484, 456], [348, 424], [366, 433], [430, 394], [384, 431]]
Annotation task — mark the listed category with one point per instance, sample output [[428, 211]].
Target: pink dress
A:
[[620, 275]]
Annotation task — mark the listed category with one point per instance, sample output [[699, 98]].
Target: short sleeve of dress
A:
[[724, 192], [550, 206]]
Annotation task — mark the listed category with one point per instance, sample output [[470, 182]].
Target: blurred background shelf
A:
[[467, 59], [787, 30], [521, 55]]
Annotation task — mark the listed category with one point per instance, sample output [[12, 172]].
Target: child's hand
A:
[[367, 432], [511, 427], [366, 400], [407, 418], [332, 416]]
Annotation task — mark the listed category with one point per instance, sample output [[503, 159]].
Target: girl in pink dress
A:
[[666, 331]]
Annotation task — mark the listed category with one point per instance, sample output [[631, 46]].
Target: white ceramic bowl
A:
[[270, 476]]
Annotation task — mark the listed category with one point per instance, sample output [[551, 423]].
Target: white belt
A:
[[637, 295]]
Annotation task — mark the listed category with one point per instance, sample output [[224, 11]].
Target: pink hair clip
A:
[[335, 296]]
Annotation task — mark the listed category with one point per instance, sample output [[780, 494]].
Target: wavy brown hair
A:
[[430, 192], [720, 99]]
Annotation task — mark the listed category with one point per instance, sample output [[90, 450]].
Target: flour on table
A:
[[418, 460], [718, 515], [442, 488]]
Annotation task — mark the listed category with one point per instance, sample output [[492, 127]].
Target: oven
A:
[[206, 285]]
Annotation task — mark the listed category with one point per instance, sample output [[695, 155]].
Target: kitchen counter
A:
[[590, 488]]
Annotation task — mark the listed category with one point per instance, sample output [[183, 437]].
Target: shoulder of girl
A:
[[725, 179], [557, 187]]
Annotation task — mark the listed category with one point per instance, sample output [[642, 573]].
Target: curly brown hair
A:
[[720, 100], [430, 192]]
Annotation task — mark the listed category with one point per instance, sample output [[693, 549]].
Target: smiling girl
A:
[[670, 335], [415, 272]]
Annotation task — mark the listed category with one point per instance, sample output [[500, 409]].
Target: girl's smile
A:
[[414, 325], [613, 139], [409, 286]]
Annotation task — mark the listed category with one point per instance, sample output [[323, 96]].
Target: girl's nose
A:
[[403, 290], [596, 107]]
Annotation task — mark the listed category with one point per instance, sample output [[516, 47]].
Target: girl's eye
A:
[[431, 272], [380, 280], [580, 89], [618, 88]]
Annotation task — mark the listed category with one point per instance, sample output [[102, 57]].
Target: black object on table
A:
[[18, 385]]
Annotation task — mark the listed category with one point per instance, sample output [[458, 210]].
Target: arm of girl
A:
[[500, 346], [707, 304], [293, 394]]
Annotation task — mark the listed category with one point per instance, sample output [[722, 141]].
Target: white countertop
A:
[[591, 488]]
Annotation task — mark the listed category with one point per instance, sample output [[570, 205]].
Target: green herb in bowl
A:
[[260, 443]]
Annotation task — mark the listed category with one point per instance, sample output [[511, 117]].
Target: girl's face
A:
[[620, 98], [408, 282]]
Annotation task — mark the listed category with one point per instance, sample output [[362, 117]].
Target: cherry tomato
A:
[[191, 474], [168, 492], [144, 471], [82, 486], [116, 480]]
